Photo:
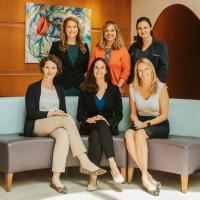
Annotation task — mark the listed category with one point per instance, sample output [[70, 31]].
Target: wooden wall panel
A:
[[15, 74], [179, 28]]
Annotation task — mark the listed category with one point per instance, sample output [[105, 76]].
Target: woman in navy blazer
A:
[[74, 54], [99, 112]]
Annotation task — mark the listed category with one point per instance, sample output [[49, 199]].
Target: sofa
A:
[[179, 154], [19, 153]]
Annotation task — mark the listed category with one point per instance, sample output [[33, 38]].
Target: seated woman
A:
[[46, 116], [149, 109], [99, 112]]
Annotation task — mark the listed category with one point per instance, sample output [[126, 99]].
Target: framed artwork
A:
[[43, 26]]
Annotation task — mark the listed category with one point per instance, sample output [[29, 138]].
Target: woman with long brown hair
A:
[[74, 54]]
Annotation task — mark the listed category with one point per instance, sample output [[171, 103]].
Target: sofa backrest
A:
[[184, 115]]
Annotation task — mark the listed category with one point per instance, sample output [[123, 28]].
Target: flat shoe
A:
[[152, 192], [118, 179], [62, 190], [97, 172]]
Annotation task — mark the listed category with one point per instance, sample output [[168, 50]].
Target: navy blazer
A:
[[156, 53], [112, 110], [72, 75], [32, 100]]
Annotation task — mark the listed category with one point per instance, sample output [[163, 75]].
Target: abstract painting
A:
[[43, 26]]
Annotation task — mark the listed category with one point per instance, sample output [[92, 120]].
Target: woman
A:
[[46, 116], [99, 112], [112, 48], [74, 54], [149, 109], [148, 47]]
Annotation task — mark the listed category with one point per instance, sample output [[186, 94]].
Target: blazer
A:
[[156, 53], [112, 110], [32, 100], [72, 75]]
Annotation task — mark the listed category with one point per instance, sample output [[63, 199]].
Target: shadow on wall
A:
[[179, 28]]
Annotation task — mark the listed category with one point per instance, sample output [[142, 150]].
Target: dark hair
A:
[[89, 84], [54, 59], [142, 19]]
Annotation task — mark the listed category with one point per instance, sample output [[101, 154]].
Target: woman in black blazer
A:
[[47, 116], [99, 112], [74, 54]]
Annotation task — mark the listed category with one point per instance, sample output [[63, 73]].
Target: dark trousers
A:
[[100, 140]]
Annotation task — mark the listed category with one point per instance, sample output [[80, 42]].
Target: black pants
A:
[[100, 140]]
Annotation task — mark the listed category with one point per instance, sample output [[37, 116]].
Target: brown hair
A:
[[138, 82], [89, 84], [118, 43], [79, 38], [54, 59]]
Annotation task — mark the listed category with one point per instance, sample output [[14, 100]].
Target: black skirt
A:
[[155, 131]]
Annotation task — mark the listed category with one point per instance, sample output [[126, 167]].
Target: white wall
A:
[[153, 8]]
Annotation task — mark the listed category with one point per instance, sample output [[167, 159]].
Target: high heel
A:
[[118, 179], [158, 185], [97, 172], [62, 190], [155, 192]]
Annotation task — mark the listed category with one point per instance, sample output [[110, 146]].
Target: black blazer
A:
[[72, 75], [32, 100], [112, 110]]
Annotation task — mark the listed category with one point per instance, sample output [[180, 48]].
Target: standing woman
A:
[[99, 112], [148, 47], [74, 54], [46, 116], [149, 110], [111, 47]]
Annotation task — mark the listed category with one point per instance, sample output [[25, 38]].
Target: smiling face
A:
[[144, 72], [71, 29], [110, 33], [143, 29], [99, 70], [49, 70]]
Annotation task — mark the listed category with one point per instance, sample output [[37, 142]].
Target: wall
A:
[[177, 24], [15, 75]]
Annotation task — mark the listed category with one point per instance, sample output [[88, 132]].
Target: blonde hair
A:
[[137, 83], [79, 38], [118, 43]]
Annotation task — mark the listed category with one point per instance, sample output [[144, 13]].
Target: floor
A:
[[34, 186]]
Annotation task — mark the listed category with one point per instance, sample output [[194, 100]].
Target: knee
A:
[[140, 134], [68, 120], [61, 135], [129, 134]]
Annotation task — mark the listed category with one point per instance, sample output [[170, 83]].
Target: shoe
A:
[[97, 172], [118, 179], [158, 185], [92, 188], [62, 190], [152, 192]]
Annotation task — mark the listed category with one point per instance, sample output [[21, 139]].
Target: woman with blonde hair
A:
[[149, 110], [111, 47], [74, 54]]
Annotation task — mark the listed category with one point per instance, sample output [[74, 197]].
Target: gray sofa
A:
[[179, 154]]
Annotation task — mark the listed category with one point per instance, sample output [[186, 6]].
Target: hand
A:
[[56, 112], [91, 120], [139, 125], [100, 117]]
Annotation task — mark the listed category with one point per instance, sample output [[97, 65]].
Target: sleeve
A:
[[131, 52], [126, 64], [32, 110], [62, 100], [118, 114], [163, 63], [81, 110], [53, 49], [92, 57], [86, 58]]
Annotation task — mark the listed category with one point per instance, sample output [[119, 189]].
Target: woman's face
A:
[[50, 70], [144, 72], [100, 70], [110, 33], [71, 29], [143, 29]]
